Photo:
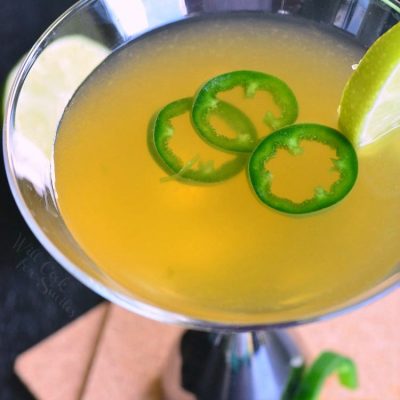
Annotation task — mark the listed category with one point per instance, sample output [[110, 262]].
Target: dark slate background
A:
[[35, 301]]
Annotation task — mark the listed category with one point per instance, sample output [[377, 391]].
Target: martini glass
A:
[[215, 360]]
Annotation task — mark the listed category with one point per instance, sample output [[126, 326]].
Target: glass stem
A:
[[262, 365]]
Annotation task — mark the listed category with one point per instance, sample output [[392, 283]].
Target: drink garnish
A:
[[290, 138], [205, 172], [307, 384], [206, 102], [370, 104], [42, 101], [284, 136], [187, 166]]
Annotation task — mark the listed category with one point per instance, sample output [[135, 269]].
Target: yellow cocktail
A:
[[215, 251]]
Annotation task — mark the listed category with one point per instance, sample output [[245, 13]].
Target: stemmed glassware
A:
[[240, 361]]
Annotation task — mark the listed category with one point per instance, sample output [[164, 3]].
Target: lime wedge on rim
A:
[[370, 104], [51, 83], [43, 97]]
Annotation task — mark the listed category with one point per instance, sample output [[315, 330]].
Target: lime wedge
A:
[[52, 81], [370, 104]]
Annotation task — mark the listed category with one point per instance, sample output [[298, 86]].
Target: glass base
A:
[[233, 366]]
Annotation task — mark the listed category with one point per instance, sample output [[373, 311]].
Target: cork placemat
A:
[[110, 353]]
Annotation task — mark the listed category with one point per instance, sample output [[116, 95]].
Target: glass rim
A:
[[387, 285]]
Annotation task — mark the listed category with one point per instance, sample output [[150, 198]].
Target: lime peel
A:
[[49, 86], [370, 103], [46, 91]]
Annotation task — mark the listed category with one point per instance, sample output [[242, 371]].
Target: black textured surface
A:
[[37, 296]]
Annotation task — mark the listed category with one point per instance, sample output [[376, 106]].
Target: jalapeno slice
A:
[[326, 364], [206, 172], [251, 81], [290, 138]]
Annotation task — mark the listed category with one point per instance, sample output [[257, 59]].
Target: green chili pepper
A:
[[206, 172], [325, 365], [290, 138], [294, 380], [251, 81]]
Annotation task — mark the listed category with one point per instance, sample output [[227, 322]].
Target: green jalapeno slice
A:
[[327, 363], [289, 138], [251, 81], [206, 172]]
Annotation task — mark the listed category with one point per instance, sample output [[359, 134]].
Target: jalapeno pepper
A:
[[251, 81], [326, 364], [290, 138], [206, 172]]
